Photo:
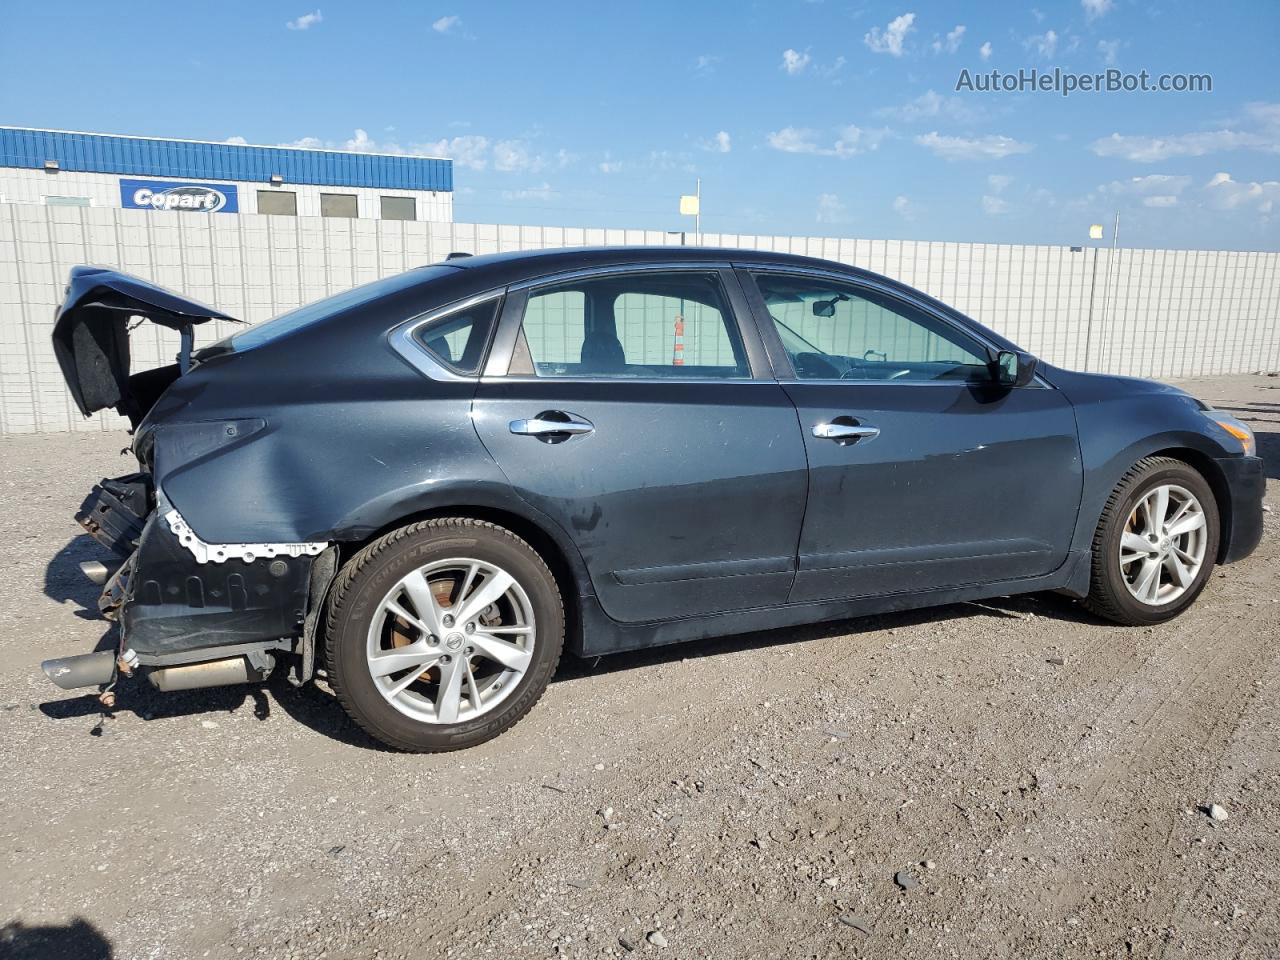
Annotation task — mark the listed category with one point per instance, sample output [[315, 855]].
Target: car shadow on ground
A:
[[1269, 451], [315, 707], [311, 706], [77, 940], [1021, 607], [64, 580]]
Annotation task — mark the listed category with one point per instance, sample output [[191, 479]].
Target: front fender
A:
[[1117, 433]]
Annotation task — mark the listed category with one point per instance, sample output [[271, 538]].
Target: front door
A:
[[923, 473], [636, 415]]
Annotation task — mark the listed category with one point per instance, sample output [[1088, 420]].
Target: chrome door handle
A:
[[540, 426], [845, 431]]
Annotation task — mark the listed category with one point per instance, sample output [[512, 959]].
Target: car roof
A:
[[504, 268]]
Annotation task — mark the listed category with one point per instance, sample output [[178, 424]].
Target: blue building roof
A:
[[204, 160]]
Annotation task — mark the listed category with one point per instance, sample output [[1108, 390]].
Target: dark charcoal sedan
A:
[[428, 487]]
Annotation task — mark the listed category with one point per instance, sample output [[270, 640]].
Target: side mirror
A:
[[1014, 368]]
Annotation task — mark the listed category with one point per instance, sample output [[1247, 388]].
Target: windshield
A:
[[287, 323]]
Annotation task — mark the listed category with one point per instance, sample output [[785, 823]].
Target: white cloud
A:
[[542, 191], [241, 141], [932, 104], [904, 207], [1045, 44], [849, 141], [473, 151], [469, 150], [951, 43], [1096, 8], [306, 21], [834, 68], [994, 206], [793, 61], [446, 24], [1110, 51], [890, 41], [1228, 194], [360, 143], [1141, 149], [999, 182], [991, 146], [720, 143], [706, 63], [610, 166], [794, 140], [1167, 200], [509, 155], [1156, 183], [831, 209], [984, 51]]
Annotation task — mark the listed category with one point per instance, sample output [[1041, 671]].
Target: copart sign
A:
[[168, 195]]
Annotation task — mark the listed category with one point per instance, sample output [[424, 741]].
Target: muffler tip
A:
[[97, 571], [83, 670]]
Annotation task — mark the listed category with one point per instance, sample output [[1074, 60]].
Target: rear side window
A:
[[457, 340], [636, 326]]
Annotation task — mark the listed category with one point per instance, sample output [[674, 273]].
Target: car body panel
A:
[[963, 484], [655, 496]]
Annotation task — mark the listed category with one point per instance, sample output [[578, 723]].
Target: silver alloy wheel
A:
[[451, 640], [1163, 544]]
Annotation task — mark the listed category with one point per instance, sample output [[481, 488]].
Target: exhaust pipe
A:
[[83, 670], [215, 673], [97, 571]]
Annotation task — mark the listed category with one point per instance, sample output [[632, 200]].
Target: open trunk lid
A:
[[91, 339]]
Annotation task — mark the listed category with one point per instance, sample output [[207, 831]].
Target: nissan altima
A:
[[427, 488]]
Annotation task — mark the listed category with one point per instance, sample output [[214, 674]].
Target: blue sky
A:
[[810, 118]]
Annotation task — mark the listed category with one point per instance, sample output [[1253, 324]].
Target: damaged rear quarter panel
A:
[[336, 436]]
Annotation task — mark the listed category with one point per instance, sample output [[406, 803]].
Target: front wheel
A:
[[443, 634], [1155, 545]]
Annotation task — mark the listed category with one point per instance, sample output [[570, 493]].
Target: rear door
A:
[[924, 473], [632, 407]]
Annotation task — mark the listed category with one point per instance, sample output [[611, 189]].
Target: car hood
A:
[[91, 338], [1084, 387]]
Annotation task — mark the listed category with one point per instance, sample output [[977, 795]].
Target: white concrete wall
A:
[[1162, 313], [103, 190]]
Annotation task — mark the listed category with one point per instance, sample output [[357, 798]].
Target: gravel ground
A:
[[1010, 778]]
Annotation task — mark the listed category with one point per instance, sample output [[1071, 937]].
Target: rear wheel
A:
[[443, 634], [1155, 544]]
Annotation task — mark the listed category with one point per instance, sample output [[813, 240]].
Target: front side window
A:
[[838, 331], [636, 326]]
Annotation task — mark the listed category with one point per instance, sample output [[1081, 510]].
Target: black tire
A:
[[1109, 596], [359, 589]]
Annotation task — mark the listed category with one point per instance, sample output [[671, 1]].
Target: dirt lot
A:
[[754, 796]]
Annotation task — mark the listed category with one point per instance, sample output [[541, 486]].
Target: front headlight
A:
[[1237, 428]]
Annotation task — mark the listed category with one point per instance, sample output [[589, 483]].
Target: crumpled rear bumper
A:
[[175, 603]]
